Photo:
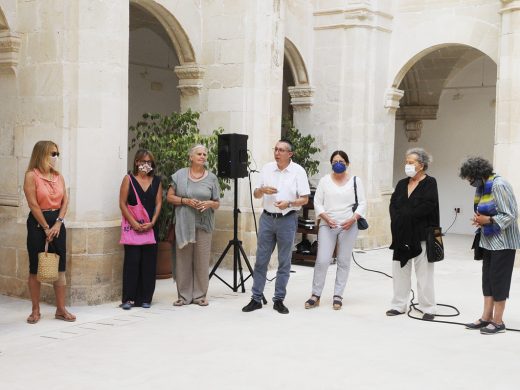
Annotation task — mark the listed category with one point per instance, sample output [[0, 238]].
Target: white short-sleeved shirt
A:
[[291, 183]]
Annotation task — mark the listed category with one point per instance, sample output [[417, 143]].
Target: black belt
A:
[[279, 215]]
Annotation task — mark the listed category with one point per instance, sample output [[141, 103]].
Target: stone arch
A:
[[301, 92], [296, 63], [406, 67], [3, 21], [173, 28], [444, 99], [478, 34]]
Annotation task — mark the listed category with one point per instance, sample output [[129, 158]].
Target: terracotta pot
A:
[[164, 260]]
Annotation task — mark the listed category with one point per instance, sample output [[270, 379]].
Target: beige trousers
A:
[[192, 268]]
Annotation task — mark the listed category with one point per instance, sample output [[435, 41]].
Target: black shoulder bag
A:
[[434, 244], [362, 223]]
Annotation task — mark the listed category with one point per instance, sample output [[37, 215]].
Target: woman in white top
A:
[[333, 203]]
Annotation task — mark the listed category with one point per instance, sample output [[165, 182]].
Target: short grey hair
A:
[[197, 146], [423, 157]]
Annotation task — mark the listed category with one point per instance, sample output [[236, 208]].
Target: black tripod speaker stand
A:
[[238, 250]]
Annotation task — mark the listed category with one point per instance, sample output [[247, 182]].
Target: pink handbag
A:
[[128, 235]]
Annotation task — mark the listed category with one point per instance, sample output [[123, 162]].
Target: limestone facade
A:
[[355, 65]]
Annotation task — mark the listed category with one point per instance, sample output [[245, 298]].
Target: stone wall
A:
[[64, 76]]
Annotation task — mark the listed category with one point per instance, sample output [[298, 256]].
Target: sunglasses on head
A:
[[55, 154]]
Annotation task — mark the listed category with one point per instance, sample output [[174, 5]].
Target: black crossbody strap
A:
[[355, 190]]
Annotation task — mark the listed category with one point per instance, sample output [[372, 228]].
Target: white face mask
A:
[[54, 161], [409, 170], [146, 167]]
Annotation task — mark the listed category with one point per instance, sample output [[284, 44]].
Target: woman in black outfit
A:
[[414, 207], [140, 260]]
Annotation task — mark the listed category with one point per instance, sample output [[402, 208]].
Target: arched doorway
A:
[[448, 108], [163, 74], [296, 90], [152, 82]]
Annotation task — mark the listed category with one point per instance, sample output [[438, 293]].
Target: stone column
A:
[[96, 77], [507, 133], [243, 52], [351, 41], [73, 88]]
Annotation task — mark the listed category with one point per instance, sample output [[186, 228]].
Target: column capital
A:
[[190, 78], [392, 97], [9, 50], [301, 97], [510, 6]]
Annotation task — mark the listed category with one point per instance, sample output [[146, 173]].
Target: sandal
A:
[[312, 302], [337, 302], [33, 318], [178, 302], [201, 302], [65, 317], [480, 323]]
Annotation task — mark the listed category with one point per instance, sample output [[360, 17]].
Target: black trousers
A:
[[139, 269], [36, 241], [497, 270]]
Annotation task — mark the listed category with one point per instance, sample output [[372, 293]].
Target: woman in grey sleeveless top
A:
[[195, 193]]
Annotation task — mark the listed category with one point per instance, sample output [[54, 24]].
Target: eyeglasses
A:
[[146, 161], [281, 150], [55, 154]]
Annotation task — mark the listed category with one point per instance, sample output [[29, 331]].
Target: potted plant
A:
[[169, 138]]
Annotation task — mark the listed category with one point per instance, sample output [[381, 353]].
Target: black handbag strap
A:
[[354, 208]]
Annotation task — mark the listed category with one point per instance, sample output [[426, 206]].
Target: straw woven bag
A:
[[47, 266]]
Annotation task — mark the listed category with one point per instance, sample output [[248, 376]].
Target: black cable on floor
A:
[[413, 306]]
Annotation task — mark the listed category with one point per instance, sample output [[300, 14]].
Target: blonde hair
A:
[[40, 154]]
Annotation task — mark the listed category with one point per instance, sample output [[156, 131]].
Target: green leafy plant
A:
[[169, 138], [304, 148]]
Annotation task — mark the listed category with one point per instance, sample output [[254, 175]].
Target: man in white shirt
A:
[[284, 187]]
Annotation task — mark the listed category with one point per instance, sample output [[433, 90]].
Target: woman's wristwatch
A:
[[60, 220]]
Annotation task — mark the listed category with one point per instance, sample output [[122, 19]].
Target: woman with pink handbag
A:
[[140, 201]]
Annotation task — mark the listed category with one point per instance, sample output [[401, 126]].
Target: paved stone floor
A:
[[219, 347]]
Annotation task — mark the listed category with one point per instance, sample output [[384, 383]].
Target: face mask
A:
[[409, 170], [476, 183], [339, 167], [146, 167], [54, 161]]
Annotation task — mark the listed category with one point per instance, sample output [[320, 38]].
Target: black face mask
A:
[[476, 182]]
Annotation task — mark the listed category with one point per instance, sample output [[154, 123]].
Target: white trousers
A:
[[402, 278]]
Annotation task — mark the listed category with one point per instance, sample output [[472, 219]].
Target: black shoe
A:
[[428, 317], [393, 312], [481, 324], [280, 307], [493, 328], [251, 306]]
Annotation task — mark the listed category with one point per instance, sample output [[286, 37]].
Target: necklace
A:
[[195, 177]]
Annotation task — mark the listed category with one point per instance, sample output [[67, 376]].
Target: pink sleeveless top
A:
[[49, 193]]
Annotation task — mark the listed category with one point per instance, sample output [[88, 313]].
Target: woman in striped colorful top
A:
[[495, 216]]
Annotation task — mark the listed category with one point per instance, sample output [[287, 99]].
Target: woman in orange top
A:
[[44, 188]]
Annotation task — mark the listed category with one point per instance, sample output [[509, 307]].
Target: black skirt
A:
[[36, 241]]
